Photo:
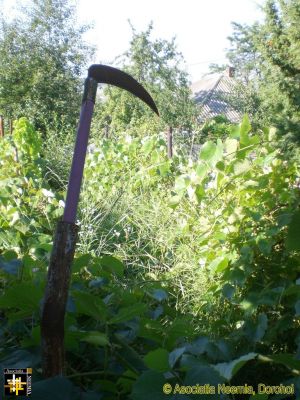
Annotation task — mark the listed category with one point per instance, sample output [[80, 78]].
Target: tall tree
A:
[[267, 60], [279, 46], [42, 57], [156, 64]]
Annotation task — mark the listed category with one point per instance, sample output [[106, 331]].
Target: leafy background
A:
[[185, 272], [187, 268]]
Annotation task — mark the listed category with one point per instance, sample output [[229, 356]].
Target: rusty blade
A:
[[113, 76]]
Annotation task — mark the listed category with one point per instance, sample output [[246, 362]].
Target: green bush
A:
[[186, 272]]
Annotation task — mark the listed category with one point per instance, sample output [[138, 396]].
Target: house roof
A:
[[211, 93]]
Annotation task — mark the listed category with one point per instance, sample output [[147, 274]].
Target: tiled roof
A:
[[211, 93]]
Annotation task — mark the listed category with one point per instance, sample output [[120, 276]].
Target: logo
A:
[[17, 382]]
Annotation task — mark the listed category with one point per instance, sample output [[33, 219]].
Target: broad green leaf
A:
[[220, 166], [22, 228], [9, 255], [25, 296], [218, 264], [149, 386], [241, 167], [293, 234], [72, 339], [219, 152], [175, 355], [255, 139], [179, 328], [174, 201], [261, 327], [228, 370], [199, 346], [219, 179], [200, 192], [58, 388], [245, 128], [19, 359], [231, 146], [189, 362], [265, 246], [164, 168], [112, 265], [151, 329], [234, 131], [148, 145], [207, 151], [80, 262], [201, 171], [157, 360], [203, 375], [292, 290], [127, 313], [126, 381], [89, 304], [284, 219], [129, 357], [34, 339], [96, 338], [181, 183], [286, 359]]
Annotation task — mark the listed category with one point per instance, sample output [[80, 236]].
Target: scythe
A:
[[59, 271]]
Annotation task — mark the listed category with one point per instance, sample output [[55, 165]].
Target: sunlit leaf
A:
[[228, 370], [245, 128], [218, 264], [207, 151], [157, 360]]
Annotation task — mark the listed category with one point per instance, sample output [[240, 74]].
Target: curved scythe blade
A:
[[113, 76]]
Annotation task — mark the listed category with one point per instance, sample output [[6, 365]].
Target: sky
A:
[[201, 27]]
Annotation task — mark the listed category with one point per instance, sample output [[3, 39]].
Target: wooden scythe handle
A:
[[56, 295]]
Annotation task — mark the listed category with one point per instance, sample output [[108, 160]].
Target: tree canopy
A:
[[156, 64], [42, 57], [266, 58]]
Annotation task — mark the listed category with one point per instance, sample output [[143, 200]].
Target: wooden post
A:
[[1, 126], [11, 126], [170, 142]]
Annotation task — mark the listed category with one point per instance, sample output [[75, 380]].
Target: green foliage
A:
[[266, 58], [27, 202], [202, 289], [27, 140], [42, 57], [156, 64]]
